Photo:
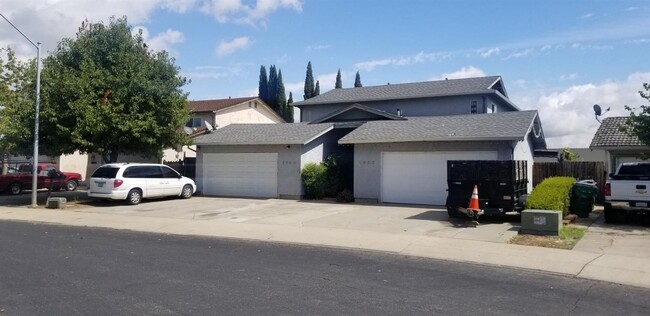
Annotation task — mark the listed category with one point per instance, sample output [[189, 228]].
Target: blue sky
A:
[[558, 57]]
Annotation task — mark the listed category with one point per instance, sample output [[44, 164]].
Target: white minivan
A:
[[134, 181]]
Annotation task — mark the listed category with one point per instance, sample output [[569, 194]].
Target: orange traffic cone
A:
[[473, 202]]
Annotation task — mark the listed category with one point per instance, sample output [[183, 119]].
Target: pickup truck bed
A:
[[627, 192]]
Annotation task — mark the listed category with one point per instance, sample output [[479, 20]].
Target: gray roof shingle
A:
[[481, 127], [264, 134], [478, 85], [609, 134]]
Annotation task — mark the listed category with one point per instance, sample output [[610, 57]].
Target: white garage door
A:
[[241, 174], [420, 177]]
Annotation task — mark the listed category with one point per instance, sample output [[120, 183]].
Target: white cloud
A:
[[228, 48], [418, 58], [50, 21], [179, 6], [586, 16], [465, 72], [568, 77], [567, 116], [235, 10], [316, 47], [638, 41], [485, 53], [162, 41], [520, 53]]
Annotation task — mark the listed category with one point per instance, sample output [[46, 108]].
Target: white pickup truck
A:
[[627, 191]]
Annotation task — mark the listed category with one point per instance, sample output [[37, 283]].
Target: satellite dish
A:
[[597, 109], [209, 126], [599, 112], [188, 130]]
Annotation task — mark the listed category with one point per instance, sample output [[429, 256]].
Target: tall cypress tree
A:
[[273, 89], [282, 98], [338, 84], [317, 89], [309, 83], [289, 108], [263, 90], [357, 81]]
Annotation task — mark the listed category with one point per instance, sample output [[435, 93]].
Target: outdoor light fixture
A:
[[36, 105]]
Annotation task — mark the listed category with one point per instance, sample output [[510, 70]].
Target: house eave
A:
[[434, 139]]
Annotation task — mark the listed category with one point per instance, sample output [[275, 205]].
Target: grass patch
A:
[[569, 237]]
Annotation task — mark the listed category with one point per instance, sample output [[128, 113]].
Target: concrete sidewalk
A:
[[395, 229]]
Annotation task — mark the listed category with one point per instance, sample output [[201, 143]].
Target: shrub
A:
[[552, 194], [314, 177], [334, 175]]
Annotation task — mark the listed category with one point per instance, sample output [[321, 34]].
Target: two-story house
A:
[[398, 138]]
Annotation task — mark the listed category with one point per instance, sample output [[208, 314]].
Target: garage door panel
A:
[[420, 177], [241, 174]]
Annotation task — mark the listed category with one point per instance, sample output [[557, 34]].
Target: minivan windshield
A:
[[105, 172]]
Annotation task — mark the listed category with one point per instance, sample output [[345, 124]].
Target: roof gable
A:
[[516, 125], [609, 134], [451, 87], [264, 134], [357, 112], [215, 105]]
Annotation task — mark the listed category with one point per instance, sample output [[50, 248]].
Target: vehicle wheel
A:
[[134, 197], [15, 189], [610, 214], [71, 185], [452, 212], [187, 192]]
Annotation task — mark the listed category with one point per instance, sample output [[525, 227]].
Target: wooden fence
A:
[[578, 169], [185, 167]]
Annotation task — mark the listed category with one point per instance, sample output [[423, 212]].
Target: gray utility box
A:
[[541, 222], [56, 202]]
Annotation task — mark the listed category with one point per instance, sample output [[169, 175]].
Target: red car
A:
[[70, 180]]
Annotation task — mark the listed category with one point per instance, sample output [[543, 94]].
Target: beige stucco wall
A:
[[250, 112], [76, 162]]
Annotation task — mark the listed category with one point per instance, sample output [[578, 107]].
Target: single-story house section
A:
[[260, 160], [619, 146], [406, 161]]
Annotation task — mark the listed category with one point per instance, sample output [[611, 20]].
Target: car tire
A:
[[452, 212], [610, 214], [15, 188], [186, 193], [134, 197], [71, 185]]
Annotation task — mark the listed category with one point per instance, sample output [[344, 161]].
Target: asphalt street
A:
[[59, 270]]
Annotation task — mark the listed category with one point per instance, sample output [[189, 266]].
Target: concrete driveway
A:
[[394, 219]]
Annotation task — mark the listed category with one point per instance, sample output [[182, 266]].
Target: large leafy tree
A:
[[263, 90], [309, 83], [17, 97], [639, 121], [286, 111], [106, 92]]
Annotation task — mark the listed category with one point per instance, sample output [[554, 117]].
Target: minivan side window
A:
[[152, 172], [169, 172], [133, 172]]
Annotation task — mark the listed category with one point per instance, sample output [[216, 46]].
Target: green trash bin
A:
[[583, 195]]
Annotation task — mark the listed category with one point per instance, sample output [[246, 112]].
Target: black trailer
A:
[[500, 183]]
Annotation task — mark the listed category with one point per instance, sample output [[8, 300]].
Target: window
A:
[[169, 173], [105, 172], [474, 107], [194, 122]]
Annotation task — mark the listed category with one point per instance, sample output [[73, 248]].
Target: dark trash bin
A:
[[583, 195]]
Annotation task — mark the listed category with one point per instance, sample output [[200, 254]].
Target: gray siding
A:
[[367, 160], [452, 105], [289, 184], [290, 160]]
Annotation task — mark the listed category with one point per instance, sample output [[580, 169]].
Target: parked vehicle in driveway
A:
[[134, 181], [626, 191], [16, 182], [71, 179]]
